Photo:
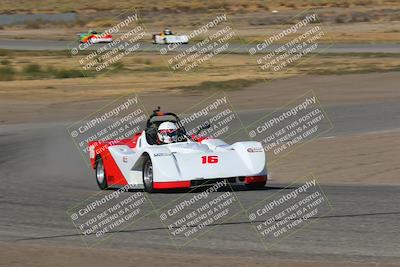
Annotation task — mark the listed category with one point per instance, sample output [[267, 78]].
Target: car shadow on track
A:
[[235, 188]]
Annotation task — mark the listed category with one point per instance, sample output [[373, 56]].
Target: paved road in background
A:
[[25, 44]]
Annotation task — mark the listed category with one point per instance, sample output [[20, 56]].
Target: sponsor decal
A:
[[254, 149], [162, 154]]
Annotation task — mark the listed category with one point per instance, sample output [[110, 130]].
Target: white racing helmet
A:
[[167, 132]]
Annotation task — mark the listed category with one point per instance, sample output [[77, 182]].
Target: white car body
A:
[[183, 164], [96, 40], [170, 39]]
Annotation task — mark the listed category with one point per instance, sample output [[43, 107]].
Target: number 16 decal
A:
[[209, 159]]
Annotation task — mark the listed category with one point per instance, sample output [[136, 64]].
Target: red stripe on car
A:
[[171, 185]]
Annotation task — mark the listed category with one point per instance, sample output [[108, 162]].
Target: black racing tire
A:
[[101, 177], [253, 186], [147, 175]]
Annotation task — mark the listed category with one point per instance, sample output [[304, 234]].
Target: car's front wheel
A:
[[101, 174], [148, 175]]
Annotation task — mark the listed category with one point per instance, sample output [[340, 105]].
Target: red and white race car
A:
[[191, 161], [168, 37], [94, 37]]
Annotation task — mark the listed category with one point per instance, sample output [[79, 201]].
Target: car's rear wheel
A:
[[147, 173], [101, 178], [259, 185]]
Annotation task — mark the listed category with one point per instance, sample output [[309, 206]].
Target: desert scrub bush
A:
[[5, 52], [5, 62], [69, 73], [7, 73], [35, 71], [32, 71]]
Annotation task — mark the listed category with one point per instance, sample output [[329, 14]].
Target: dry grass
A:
[[148, 72], [177, 6]]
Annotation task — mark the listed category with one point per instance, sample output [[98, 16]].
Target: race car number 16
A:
[[209, 159]]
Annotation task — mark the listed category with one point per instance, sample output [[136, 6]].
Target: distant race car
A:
[[144, 163], [95, 37], [168, 37]]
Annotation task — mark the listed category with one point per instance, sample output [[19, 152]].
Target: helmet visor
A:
[[168, 132]]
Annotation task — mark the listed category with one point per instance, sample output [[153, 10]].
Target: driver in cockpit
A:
[[167, 133]]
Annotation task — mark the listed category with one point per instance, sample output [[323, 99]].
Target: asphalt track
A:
[[43, 176], [25, 44]]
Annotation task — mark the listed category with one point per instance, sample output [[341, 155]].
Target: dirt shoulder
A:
[[367, 159], [35, 255], [59, 100]]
